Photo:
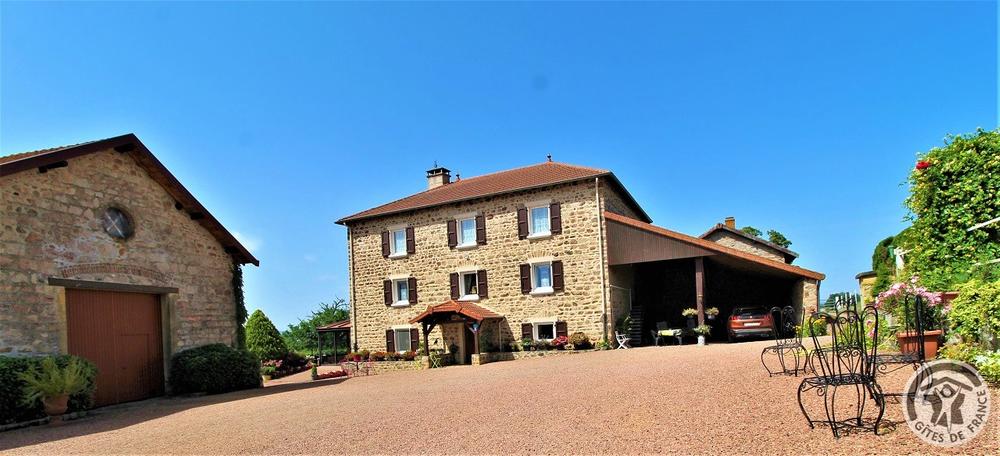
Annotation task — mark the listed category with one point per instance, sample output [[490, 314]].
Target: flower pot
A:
[[909, 342], [701, 340], [266, 378], [55, 407], [710, 316]]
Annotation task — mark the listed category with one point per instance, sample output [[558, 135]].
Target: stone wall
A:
[[51, 228], [485, 358], [580, 305], [804, 294], [745, 245]]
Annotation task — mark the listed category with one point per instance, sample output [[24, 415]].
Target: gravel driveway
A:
[[689, 399]]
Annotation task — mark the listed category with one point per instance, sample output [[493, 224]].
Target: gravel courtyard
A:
[[689, 399]]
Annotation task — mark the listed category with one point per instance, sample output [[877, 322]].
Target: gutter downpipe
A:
[[604, 280], [354, 307]]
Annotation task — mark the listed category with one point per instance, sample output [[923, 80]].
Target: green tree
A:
[[263, 338], [751, 231], [301, 337], [884, 265], [778, 238], [953, 188]]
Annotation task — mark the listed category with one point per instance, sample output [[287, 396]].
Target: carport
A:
[[655, 273]]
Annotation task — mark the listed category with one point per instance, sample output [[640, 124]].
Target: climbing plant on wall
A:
[[953, 188], [241, 307]]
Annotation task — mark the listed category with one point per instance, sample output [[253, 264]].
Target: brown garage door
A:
[[120, 333]]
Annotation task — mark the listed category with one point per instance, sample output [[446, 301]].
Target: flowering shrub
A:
[[560, 342], [377, 356], [580, 341], [975, 313], [690, 312], [331, 374], [409, 355]]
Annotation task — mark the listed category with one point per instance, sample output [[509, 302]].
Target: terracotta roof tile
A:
[[467, 309], [22, 155], [528, 177], [337, 325]]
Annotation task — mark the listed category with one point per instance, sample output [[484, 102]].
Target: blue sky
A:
[[799, 116]]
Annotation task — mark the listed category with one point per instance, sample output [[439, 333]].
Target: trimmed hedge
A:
[[12, 408], [215, 368]]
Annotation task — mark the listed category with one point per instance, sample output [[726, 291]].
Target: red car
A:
[[750, 322]]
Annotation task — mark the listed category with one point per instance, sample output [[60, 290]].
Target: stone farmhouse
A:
[[107, 256], [544, 251]]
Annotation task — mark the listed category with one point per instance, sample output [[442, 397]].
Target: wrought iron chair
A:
[[787, 343], [913, 322], [847, 364]]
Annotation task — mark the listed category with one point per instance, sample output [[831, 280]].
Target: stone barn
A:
[[107, 256]]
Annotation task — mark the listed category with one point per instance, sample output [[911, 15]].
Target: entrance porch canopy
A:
[[472, 315], [337, 327]]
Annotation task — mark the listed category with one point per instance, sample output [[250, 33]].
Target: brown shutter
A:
[[480, 230], [526, 331], [557, 276], [414, 339], [387, 291], [482, 286], [411, 244], [453, 278], [452, 234], [385, 244], [522, 222], [411, 283], [525, 278], [561, 329], [555, 218], [390, 342]]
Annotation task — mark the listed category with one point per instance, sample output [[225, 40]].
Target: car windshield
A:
[[749, 312]]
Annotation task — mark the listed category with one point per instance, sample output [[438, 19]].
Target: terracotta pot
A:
[[56, 406], [908, 342]]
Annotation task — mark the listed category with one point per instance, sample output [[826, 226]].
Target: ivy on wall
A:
[[241, 307], [953, 188], [884, 266]]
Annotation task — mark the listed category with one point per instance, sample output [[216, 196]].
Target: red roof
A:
[[467, 309], [713, 246], [129, 144], [529, 177], [342, 325]]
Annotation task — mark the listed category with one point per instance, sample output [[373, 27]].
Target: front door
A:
[[470, 345]]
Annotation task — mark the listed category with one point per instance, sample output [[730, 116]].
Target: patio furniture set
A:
[[847, 362]]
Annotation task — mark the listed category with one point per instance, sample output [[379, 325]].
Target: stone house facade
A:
[[90, 229], [471, 242]]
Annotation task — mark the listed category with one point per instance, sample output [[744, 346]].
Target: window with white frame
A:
[[541, 278], [545, 330], [401, 337], [401, 292], [469, 286], [538, 223], [397, 242], [467, 232]]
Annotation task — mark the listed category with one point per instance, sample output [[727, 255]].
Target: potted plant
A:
[[559, 343], [53, 386], [702, 331], [692, 316], [891, 301], [267, 372], [711, 313]]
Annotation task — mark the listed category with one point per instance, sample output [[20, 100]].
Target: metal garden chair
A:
[[787, 344], [847, 364]]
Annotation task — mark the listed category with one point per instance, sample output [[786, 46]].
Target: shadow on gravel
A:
[[124, 415]]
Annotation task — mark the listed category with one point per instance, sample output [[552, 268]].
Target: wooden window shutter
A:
[[525, 278], [411, 244], [482, 286], [526, 331], [452, 234], [387, 291], [411, 283], [414, 339], [390, 341], [453, 278], [481, 229], [561, 329], [522, 222], [385, 244], [557, 276], [555, 218]]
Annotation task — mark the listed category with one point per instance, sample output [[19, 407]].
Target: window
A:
[[545, 331], [538, 224], [401, 337], [541, 278], [467, 232], [401, 292], [397, 243], [469, 281]]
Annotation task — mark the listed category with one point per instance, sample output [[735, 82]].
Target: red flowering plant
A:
[[923, 164], [560, 342]]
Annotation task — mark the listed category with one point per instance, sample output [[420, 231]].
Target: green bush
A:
[[976, 311], [988, 365], [818, 328], [215, 368], [12, 407], [263, 339], [964, 352]]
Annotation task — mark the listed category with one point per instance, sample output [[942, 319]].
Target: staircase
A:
[[635, 329]]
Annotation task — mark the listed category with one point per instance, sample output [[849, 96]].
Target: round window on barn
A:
[[117, 223]]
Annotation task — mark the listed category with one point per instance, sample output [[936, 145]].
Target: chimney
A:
[[730, 221], [437, 177]]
